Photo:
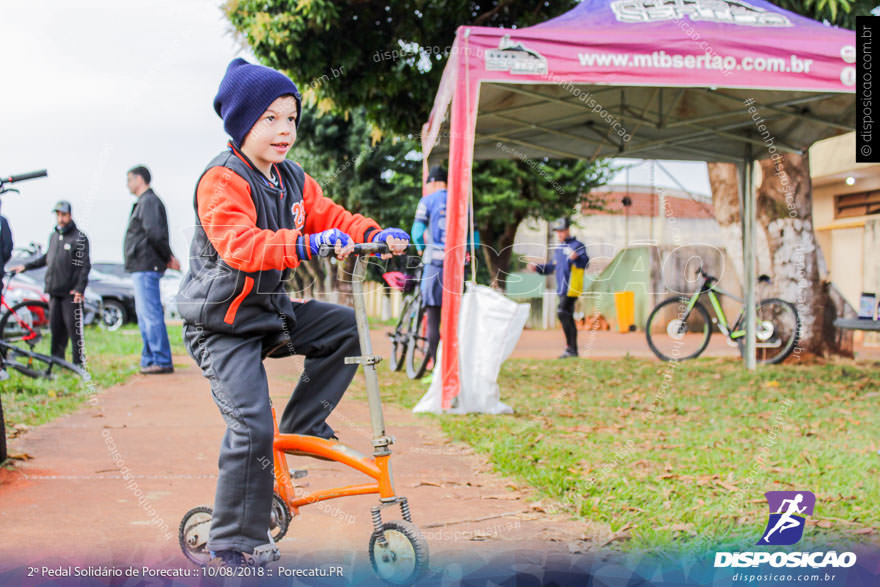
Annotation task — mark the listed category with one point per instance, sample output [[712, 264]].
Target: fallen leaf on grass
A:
[[862, 531], [727, 486], [825, 524], [622, 534]]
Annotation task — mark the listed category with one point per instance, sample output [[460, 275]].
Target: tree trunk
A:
[[787, 249], [497, 246]]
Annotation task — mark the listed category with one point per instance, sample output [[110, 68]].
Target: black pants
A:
[[565, 312], [325, 334], [432, 314], [65, 322]]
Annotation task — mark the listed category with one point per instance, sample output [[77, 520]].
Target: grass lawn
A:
[[678, 456], [112, 358]]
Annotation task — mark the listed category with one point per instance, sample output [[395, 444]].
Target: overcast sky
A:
[[91, 89]]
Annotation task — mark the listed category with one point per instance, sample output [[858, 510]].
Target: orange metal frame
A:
[[377, 468]]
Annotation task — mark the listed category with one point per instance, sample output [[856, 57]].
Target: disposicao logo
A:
[[785, 526], [788, 511]]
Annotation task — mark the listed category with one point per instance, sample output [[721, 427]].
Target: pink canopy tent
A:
[[706, 80]]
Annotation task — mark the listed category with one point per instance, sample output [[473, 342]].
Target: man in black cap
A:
[[570, 253], [67, 273]]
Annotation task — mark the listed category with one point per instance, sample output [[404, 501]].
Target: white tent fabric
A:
[[490, 326]]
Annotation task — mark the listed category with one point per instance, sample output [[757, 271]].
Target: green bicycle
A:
[[679, 328]]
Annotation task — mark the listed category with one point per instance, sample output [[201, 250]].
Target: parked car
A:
[[117, 295], [168, 285], [33, 280], [115, 269]]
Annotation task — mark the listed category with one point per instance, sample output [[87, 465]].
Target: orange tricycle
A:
[[398, 551]]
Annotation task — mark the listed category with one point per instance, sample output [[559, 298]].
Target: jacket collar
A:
[[237, 152], [70, 226]]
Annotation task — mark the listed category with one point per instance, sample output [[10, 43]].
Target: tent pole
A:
[[749, 220]]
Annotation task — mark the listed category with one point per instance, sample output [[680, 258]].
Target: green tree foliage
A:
[[390, 54], [841, 13], [381, 178], [507, 192], [372, 69]]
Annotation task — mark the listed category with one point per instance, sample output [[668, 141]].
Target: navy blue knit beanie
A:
[[245, 93]]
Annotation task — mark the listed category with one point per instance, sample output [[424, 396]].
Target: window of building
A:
[[858, 204]]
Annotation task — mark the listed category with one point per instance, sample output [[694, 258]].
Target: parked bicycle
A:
[[409, 341], [679, 328], [22, 327]]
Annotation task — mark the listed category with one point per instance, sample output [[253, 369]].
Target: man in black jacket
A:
[[147, 255], [67, 273], [5, 243]]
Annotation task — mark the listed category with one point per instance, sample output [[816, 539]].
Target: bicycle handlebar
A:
[[359, 249], [24, 176]]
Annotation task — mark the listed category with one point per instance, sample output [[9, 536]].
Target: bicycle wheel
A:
[[400, 337], [777, 327], [25, 324], [674, 334], [34, 364], [417, 351]]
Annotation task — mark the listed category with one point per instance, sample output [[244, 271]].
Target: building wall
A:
[[849, 258], [605, 233]]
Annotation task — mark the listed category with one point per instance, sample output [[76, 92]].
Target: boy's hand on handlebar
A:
[[17, 269], [342, 244], [341, 251], [396, 238]]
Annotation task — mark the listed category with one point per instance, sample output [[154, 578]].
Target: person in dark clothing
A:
[[5, 243], [568, 254], [147, 255], [67, 274], [429, 237]]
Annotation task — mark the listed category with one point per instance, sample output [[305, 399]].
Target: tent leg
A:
[[748, 234]]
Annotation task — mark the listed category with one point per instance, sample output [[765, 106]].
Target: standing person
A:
[[570, 253], [67, 274], [430, 220], [258, 216], [147, 255], [6, 244]]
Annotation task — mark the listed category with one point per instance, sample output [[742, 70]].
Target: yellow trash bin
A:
[[625, 303]]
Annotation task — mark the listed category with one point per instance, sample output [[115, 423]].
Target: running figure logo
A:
[[788, 511]]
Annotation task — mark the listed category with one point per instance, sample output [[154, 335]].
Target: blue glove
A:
[[382, 235], [327, 237]]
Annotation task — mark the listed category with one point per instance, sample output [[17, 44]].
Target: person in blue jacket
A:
[[429, 237], [569, 253]]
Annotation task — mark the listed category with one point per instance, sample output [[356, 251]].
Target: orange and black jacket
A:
[[245, 243]]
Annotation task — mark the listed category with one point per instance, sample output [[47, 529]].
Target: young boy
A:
[[258, 215]]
